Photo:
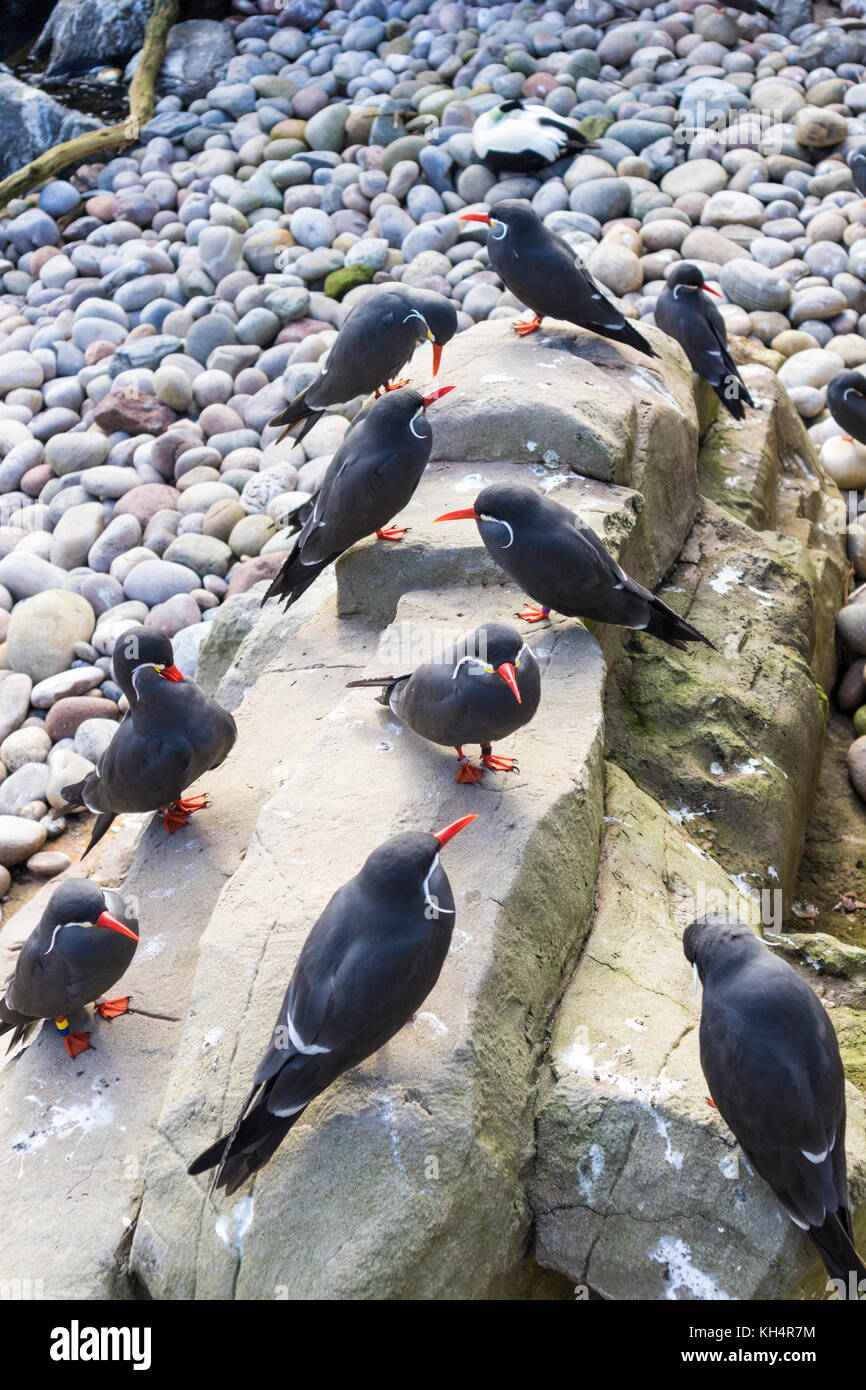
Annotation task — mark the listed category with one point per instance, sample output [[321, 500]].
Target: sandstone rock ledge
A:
[[472, 1141]]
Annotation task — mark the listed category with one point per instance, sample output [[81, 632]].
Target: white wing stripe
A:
[[295, 1040], [815, 1158]]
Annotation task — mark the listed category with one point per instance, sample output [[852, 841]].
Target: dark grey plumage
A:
[[846, 402], [541, 270], [371, 477], [771, 1060], [562, 564], [172, 734], [685, 313], [366, 967], [466, 696], [70, 959], [377, 338], [751, 7], [857, 165]]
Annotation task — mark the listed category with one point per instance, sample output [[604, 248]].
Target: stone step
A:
[[566, 399], [374, 574], [431, 1135], [93, 1120]]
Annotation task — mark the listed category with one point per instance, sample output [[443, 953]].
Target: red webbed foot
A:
[[112, 1008], [396, 385], [533, 613], [175, 816], [497, 764], [73, 1042], [524, 326], [467, 771], [392, 533]]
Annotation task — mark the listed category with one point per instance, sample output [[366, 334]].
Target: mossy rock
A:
[[407, 147], [339, 282], [285, 148], [860, 721], [850, 1025], [830, 955], [733, 737], [738, 468], [593, 127], [834, 860], [521, 62]]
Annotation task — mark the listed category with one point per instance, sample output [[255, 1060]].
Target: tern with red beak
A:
[[364, 970], [369, 480], [172, 734], [376, 340], [483, 689], [562, 564], [684, 313], [84, 942], [541, 270]]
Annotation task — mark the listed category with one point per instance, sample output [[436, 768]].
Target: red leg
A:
[[524, 326], [392, 533], [532, 613], [112, 1008], [178, 813], [467, 771], [73, 1042], [497, 764], [395, 385]]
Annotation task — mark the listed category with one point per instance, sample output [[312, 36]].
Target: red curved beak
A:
[[443, 836], [467, 514], [438, 392], [509, 675], [437, 357], [171, 673], [709, 291], [105, 919], [474, 217]]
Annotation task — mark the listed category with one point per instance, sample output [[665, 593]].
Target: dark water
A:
[[23, 21]]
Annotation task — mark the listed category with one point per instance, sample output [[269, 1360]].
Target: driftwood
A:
[[141, 104]]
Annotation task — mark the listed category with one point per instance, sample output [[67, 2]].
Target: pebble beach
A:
[[158, 309]]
